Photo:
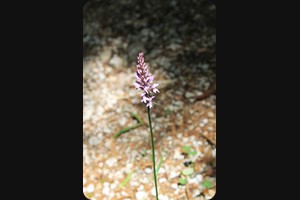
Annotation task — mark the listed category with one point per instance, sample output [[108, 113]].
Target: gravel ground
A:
[[179, 43]]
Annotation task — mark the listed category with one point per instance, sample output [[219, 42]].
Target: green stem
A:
[[153, 154]]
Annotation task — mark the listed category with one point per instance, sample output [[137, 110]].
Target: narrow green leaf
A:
[[126, 180], [135, 116], [159, 164], [125, 130]]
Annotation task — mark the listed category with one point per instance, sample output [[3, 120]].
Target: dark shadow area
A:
[[186, 28]]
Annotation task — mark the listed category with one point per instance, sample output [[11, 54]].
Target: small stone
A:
[[163, 197], [210, 128], [210, 114], [113, 186], [101, 76], [122, 121], [90, 188], [178, 156], [116, 61], [106, 184], [199, 177], [191, 127], [162, 170], [87, 113], [111, 195], [106, 130], [144, 180], [111, 162], [106, 55], [193, 181], [148, 170], [174, 46], [213, 153], [134, 183], [173, 175], [153, 192], [179, 135], [206, 85], [174, 186], [94, 141], [145, 32], [189, 95], [199, 93], [141, 188], [119, 174], [128, 168], [204, 66], [141, 195], [192, 100], [211, 194], [123, 193], [205, 121], [106, 191], [162, 180]]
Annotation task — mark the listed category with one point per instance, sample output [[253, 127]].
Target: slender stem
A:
[[153, 154]]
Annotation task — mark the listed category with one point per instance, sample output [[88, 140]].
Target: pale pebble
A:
[[141, 195], [90, 188], [162, 180], [174, 186]]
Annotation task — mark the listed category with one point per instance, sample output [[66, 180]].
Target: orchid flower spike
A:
[[144, 81]]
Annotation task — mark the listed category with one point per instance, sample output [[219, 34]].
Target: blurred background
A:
[[178, 39]]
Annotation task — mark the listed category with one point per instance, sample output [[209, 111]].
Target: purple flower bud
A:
[[144, 81]]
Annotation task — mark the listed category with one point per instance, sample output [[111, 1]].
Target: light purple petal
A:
[[137, 85], [151, 79], [155, 85], [143, 94], [146, 88], [149, 104], [144, 99], [155, 90]]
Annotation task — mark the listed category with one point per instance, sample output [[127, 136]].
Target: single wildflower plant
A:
[[144, 82]]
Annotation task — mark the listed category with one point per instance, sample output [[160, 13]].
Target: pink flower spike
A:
[[144, 81]]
